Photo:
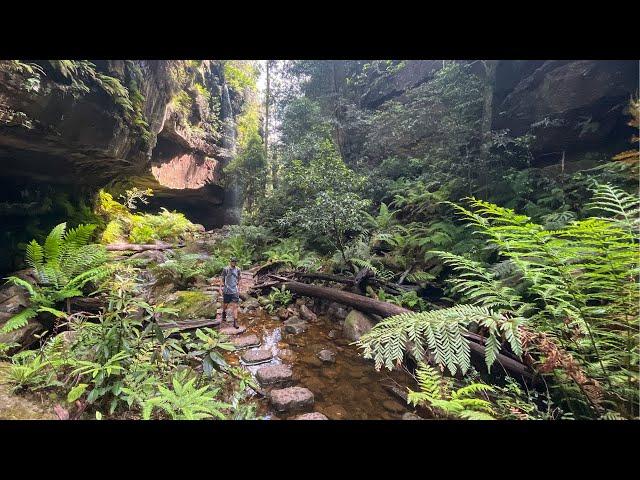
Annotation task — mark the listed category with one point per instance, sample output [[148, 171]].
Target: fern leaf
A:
[[19, 320]]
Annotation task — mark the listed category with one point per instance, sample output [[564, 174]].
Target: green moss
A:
[[112, 232], [193, 304]]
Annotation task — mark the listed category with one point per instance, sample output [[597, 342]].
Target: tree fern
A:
[[438, 332]]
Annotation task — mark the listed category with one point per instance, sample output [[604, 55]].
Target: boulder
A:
[[292, 398], [251, 303], [307, 314], [356, 324]]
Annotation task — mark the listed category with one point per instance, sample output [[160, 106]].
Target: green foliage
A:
[[182, 269], [64, 264], [439, 332], [184, 401], [291, 252], [436, 394], [240, 74], [29, 371], [277, 298]]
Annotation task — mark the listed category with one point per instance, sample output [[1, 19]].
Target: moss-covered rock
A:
[[193, 304]]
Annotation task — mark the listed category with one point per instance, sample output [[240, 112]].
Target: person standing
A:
[[230, 290]]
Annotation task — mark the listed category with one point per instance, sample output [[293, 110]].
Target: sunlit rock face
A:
[[185, 171]]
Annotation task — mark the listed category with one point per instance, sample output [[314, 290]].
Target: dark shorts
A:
[[230, 297]]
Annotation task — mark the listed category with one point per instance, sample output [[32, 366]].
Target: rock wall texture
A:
[[68, 128], [570, 105]]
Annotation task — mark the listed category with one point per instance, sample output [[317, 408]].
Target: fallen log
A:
[[325, 276], [268, 267], [385, 309], [132, 247]]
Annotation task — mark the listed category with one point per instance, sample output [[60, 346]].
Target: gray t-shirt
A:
[[230, 279]]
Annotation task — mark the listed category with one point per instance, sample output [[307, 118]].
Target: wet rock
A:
[[246, 341], [327, 356], [314, 384], [149, 256], [282, 314], [255, 357], [313, 361], [287, 355], [307, 314], [292, 398], [251, 304], [411, 416], [295, 325], [356, 324], [291, 320], [311, 416], [336, 311], [274, 375], [393, 406], [329, 373], [335, 412], [231, 330], [333, 334]]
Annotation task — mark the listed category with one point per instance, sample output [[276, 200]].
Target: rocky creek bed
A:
[[321, 360]]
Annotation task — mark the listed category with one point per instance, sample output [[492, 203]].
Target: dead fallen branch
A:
[[132, 247]]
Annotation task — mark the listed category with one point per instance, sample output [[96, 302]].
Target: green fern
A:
[[64, 264], [438, 332], [437, 395]]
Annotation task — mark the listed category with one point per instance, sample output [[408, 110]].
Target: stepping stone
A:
[[311, 416], [327, 356], [255, 357], [292, 398], [231, 330], [274, 374], [246, 341]]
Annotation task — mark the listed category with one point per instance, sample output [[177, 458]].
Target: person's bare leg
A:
[[234, 312], [224, 311]]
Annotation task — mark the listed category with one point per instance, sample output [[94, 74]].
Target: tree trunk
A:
[[266, 116]]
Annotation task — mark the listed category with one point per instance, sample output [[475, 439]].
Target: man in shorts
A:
[[230, 291]]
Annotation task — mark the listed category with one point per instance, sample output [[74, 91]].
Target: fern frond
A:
[[19, 320]]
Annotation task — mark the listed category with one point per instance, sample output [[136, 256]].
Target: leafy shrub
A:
[[277, 298]]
